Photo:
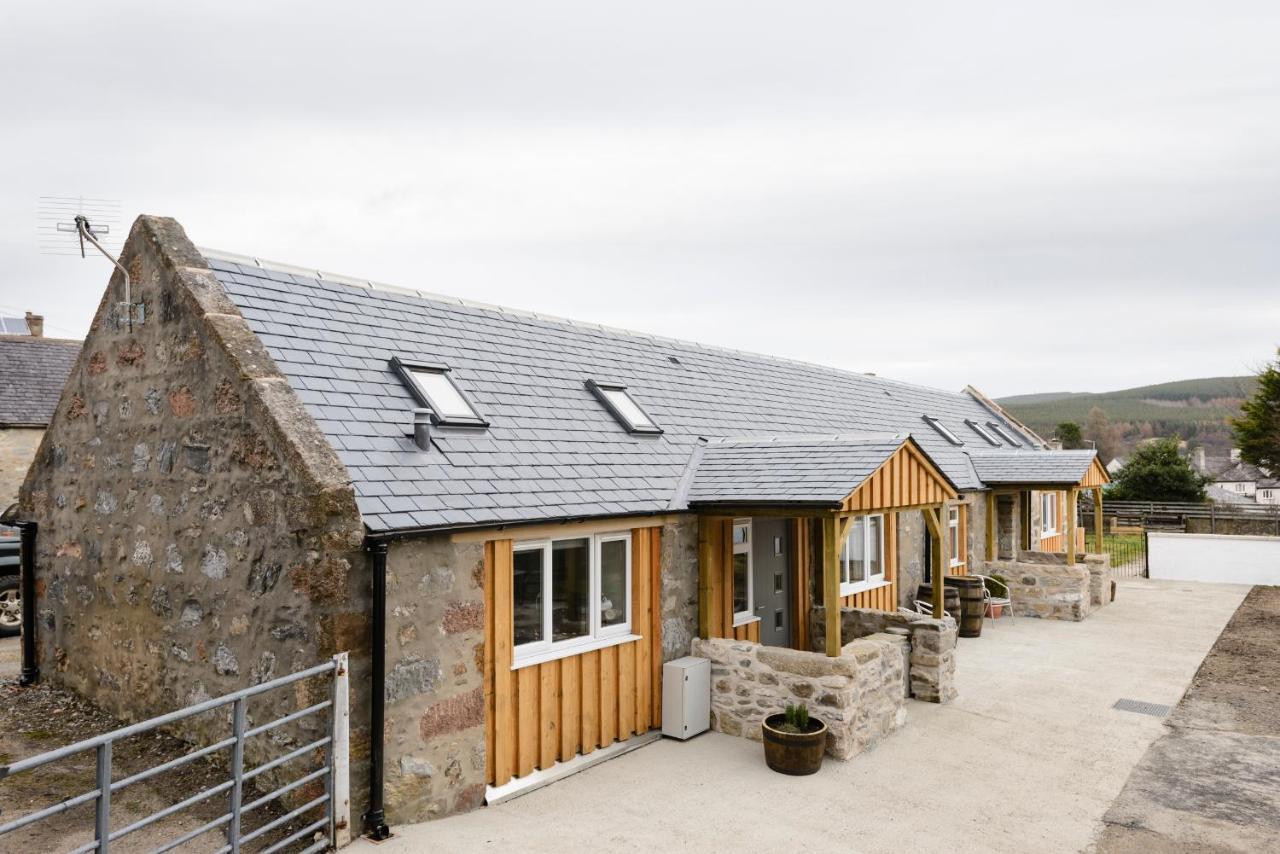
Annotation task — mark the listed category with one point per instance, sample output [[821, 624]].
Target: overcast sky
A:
[[1022, 196]]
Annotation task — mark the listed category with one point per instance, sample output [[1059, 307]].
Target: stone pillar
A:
[[933, 660]]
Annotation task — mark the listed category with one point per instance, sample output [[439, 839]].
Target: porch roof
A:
[[1039, 468], [788, 471]]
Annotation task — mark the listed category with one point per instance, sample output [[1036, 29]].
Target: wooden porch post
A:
[[1097, 520], [831, 583], [1071, 526], [933, 521], [706, 589]]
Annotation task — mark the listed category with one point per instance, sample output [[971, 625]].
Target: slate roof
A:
[[1049, 467], [32, 374], [816, 470], [551, 450], [1240, 472]]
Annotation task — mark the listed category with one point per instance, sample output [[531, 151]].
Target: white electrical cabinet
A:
[[686, 697]]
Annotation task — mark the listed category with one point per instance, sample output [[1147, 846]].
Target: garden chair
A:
[[926, 608], [995, 592]]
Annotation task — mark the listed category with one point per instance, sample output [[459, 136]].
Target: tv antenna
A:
[[91, 220]]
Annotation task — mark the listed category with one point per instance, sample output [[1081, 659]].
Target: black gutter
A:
[[27, 587], [375, 820]]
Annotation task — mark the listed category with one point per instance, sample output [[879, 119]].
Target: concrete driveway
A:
[[1027, 759]]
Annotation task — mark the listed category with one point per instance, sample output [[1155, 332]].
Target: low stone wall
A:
[[1041, 584], [859, 694], [929, 656]]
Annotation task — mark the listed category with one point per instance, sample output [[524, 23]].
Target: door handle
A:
[[760, 607]]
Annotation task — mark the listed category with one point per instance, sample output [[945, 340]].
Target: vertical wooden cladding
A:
[[1096, 475], [906, 479], [550, 712], [885, 597]]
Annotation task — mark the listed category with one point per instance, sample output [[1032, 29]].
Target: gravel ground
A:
[[1212, 782], [37, 719]]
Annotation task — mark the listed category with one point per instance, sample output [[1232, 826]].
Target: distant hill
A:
[[1186, 407]]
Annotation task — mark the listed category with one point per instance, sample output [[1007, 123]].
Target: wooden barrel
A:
[[950, 598], [971, 591]]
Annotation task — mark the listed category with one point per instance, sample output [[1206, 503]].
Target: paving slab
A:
[[1212, 781], [1027, 759]]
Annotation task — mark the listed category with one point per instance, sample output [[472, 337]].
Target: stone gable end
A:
[[197, 534]]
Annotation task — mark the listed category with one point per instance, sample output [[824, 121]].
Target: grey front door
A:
[[771, 581]]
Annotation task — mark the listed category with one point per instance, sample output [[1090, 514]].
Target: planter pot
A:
[[996, 611], [793, 753]]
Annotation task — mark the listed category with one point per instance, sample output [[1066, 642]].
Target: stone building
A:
[[33, 370], [558, 509]]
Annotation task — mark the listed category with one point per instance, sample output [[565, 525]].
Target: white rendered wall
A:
[[1214, 557]]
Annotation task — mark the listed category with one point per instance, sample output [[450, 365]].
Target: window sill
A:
[[1045, 535], [572, 650], [852, 589], [745, 621]]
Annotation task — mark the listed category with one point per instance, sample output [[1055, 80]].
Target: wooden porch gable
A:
[[907, 479]]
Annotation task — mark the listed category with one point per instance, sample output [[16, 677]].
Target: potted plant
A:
[[793, 741]]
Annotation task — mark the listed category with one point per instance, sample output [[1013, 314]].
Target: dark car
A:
[[10, 600]]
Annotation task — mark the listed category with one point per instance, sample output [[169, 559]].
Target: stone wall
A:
[[929, 657], [976, 532], [17, 449], [197, 534], [679, 597], [911, 534], [858, 694], [1259, 527], [435, 744], [1041, 584]]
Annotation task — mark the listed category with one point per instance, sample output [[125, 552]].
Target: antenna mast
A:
[[53, 209]]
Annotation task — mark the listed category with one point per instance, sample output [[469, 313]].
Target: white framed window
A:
[[862, 558], [433, 387], [953, 536], [569, 595], [743, 585], [1048, 514], [618, 400], [943, 430]]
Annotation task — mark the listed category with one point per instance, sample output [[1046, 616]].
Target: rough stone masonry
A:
[[197, 533], [858, 694]]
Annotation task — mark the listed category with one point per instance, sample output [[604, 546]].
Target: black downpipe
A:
[[27, 587], [375, 820]]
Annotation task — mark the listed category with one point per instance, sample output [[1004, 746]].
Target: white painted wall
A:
[[1214, 557]]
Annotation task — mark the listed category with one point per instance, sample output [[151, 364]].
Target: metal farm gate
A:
[[333, 827]]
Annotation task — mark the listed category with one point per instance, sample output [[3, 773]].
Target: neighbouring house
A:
[[33, 370], [1235, 477], [559, 508], [1114, 467]]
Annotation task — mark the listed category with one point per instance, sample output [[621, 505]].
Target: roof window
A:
[[1003, 433], [435, 389], [622, 406], [942, 430], [978, 428]]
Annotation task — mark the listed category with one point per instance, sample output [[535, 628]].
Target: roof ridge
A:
[[808, 438], [371, 285]]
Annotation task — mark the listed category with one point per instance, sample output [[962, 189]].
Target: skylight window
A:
[[977, 428], [435, 389], [1000, 431], [942, 430], [622, 406]]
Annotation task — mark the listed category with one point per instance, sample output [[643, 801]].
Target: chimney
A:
[[422, 429], [1235, 455], [1197, 459], [35, 323], [1055, 444]]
